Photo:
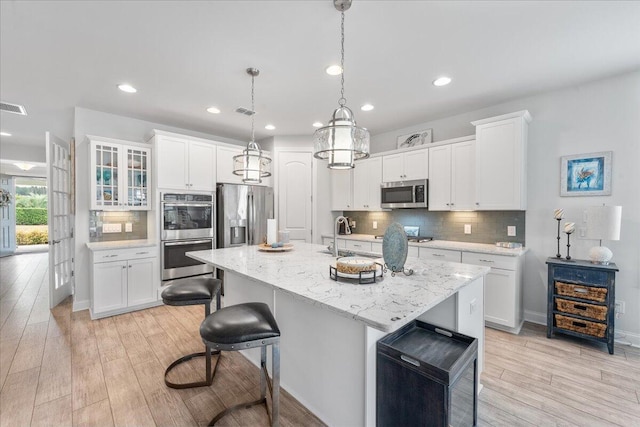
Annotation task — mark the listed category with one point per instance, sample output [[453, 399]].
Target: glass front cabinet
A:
[[120, 175]]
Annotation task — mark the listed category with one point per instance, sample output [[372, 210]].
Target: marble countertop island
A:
[[386, 305]]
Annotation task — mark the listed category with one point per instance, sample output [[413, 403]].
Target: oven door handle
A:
[[190, 242], [197, 205]]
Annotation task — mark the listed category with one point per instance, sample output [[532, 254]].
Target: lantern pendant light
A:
[[252, 165], [341, 142]]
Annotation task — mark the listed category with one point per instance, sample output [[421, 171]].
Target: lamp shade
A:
[[603, 222]]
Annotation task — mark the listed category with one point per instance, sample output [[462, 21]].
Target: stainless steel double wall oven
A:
[[188, 224]]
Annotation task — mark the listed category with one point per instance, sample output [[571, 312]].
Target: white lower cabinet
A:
[[440, 254], [123, 280], [502, 290]]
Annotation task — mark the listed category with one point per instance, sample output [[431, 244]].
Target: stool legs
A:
[[275, 391], [207, 354]]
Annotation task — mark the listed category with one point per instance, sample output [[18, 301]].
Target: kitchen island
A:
[[329, 329]]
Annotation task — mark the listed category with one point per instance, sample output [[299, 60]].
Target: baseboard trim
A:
[[621, 337], [81, 305]]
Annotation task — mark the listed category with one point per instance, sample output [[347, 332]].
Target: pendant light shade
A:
[[252, 165], [341, 142]]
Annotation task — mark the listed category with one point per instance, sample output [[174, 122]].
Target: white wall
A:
[[89, 122], [599, 116]]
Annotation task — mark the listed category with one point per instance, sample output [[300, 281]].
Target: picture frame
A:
[[415, 139], [586, 174]]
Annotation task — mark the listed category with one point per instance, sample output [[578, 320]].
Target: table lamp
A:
[[603, 223]]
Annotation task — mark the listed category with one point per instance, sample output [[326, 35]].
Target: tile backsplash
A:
[[98, 220], [486, 226]]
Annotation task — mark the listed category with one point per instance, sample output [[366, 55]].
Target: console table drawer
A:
[[592, 293], [579, 275], [597, 312], [582, 326]]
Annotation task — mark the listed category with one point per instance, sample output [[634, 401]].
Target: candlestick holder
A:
[[568, 246], [558, 238]]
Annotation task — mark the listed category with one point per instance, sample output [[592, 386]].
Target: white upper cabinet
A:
[[452, 177], [341, 190], [405, 166], [120, 175], [225, 166], [501, 149], [184, 164], [367, 176]]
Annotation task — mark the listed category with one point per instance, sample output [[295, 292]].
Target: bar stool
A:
[[243, 326], [193, 291]]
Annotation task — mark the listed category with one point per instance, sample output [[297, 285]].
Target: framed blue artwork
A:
[[586, 174]]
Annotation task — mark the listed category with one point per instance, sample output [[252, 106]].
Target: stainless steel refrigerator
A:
[[242, 212]]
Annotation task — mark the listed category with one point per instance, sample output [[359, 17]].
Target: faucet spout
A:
[[339, 220]]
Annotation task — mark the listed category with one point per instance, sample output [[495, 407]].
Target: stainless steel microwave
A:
[[404, 194]]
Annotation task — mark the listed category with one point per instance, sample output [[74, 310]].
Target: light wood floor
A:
[[61, 368]]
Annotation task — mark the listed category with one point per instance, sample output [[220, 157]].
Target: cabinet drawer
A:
[[125, 254], [495, 261], [356, 245], [440, 254], [592, 293], [598, 312], [582, 326], [577, 275]]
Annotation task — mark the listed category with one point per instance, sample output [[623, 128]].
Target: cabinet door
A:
[[500, 297], [440, 178], [225, 165], [172, 163], [105, 176], [141, 287], [416, 164], [136, 178], [361, 185], [202, 166], [109, 286], [375, 179], [393, 167], [341, 196], [463, 173], [500, 174]]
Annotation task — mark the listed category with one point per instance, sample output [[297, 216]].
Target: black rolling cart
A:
[[426, 376]]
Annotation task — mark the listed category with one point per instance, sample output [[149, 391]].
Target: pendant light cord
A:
[[342, 101], [253, 109]]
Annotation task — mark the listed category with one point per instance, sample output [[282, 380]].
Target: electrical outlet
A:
[[620, 307], [511, 230], [467, 229], [111, 228], [375, 225], [353, 224], [128, 227]]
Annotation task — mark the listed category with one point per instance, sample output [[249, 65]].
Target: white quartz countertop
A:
[[482, 248], [121, 244], [304, 273]]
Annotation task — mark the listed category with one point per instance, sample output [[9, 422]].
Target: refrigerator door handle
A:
[[249, 219]]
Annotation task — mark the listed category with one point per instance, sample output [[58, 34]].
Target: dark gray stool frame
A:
[[207, 353], [274, 385]]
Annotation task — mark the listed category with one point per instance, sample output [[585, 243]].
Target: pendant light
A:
[[341, 142], [252, 165]]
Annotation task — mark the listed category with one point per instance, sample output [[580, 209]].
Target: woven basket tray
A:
[[583, 326], [579, 291], [598, 312]]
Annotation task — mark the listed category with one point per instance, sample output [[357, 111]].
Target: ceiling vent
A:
[[245, 111], [13, 108]]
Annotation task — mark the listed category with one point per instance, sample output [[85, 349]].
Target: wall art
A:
[[415, 139], [586, 174]]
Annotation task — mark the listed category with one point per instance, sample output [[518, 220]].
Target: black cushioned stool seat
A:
[[193, 291], [243, 326]]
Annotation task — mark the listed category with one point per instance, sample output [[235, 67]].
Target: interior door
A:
[[60, 219], [294, 194]]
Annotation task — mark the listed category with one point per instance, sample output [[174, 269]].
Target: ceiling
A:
[[186, 56]]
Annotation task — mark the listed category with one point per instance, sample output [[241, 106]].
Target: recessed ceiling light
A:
[[213, 110], [317, 125], [5, 134], [334, 70], [24, 166], [367, 107], [127, 88], [269, 127], [442, 81]]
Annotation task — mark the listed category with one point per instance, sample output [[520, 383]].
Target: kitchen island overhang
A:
[[329, 329]]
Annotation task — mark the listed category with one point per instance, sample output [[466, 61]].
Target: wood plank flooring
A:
[[59, 368]]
